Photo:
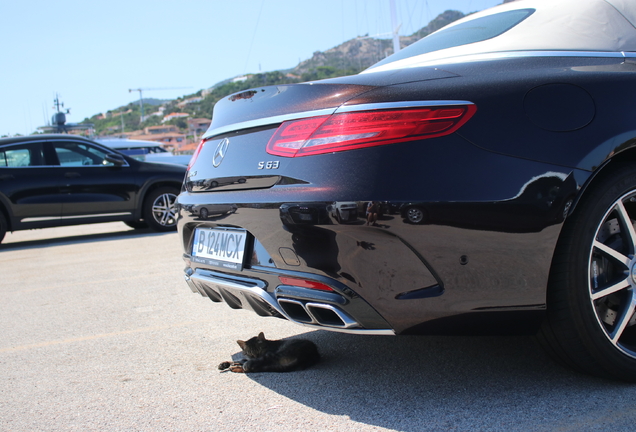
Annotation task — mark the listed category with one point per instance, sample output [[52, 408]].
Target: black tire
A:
[[415, 215], [137, 224], [590, 324], [159, 209], [3, 226]]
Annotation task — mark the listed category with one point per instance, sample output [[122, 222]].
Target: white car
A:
[[344, 211], [148, 151]]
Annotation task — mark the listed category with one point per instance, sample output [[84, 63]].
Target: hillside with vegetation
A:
[[350, 57]]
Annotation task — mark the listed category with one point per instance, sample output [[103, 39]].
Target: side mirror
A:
[[115, 159]]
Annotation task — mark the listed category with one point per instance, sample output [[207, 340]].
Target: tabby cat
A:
[[262, 355]]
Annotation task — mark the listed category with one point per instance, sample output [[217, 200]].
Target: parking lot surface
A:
[[99, 332]]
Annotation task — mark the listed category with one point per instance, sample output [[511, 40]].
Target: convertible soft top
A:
[[599, 26]]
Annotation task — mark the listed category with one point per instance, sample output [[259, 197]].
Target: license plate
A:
[[219, 247]]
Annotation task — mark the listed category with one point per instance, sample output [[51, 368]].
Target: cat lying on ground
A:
[[262, 355]]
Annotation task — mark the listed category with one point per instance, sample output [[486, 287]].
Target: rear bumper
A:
[[483, 250], [393, 278]]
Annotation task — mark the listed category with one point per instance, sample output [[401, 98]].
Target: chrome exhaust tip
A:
[[316, 313]]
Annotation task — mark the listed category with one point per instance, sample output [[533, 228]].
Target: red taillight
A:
[[196, 154], [304, 283], [353, 130]]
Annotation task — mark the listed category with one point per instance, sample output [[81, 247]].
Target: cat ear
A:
[[261, 336], [241, 343]]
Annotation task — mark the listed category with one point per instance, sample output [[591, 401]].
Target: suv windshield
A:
[[472, 31]]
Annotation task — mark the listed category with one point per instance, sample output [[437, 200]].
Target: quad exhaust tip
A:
[[316, 313]]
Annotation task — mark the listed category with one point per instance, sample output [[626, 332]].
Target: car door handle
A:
[[6, 177], [72, 174]]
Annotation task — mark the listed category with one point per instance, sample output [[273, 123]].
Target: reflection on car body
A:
[[344, 211], [544, 200], [296, 215], [205, 211]]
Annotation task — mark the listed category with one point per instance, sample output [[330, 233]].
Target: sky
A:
[[91, 53]]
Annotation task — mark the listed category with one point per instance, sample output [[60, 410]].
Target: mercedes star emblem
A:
[[220, 152]]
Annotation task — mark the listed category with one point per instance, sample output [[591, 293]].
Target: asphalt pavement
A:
[[99, 332]]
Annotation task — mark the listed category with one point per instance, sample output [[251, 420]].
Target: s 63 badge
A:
[[268, 165]]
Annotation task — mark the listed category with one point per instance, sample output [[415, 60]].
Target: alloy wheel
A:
[[415, 215], [164, 209], [612, 274]]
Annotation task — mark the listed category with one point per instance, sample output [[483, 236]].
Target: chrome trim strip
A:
[[358, 331], [341, 109], [29, 166], [390, 105], [266, 121], [97, 215], [48, 218], [464, 58], [41, 219]]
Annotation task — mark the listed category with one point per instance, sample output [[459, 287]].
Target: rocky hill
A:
[[360, 53]]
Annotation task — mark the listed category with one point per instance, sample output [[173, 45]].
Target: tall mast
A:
[[395, 28]]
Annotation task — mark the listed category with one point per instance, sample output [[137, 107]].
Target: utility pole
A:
[[141, 99], [121, 115]]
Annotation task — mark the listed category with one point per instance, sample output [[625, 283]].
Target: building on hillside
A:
[[198, 126], [173, 116], [168, 135], [187, 148], [189, 101], [156, 130], [159, 112]]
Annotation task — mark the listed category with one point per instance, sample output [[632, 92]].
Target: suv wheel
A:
[[159, 209], [415, 215]]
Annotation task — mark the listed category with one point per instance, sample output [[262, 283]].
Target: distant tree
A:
[[180, 123], [153, 120]]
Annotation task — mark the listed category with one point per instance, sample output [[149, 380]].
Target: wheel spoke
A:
[[614, 254], [623, 319], [611, 289], [627, 226]]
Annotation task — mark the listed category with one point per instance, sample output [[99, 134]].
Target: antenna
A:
[[58, 121]]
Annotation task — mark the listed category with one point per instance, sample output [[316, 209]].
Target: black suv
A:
[[55, 180]]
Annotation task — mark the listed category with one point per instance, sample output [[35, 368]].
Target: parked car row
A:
[[55, 180], [146, 151]]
